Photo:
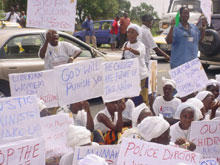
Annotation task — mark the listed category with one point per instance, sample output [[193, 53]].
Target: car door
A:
[[103, 33], [20, 54]]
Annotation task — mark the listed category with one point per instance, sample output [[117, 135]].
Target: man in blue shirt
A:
[[88, 25]]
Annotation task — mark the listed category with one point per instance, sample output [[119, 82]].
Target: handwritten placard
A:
[[79, 81], [208, 161], [19, 116], [108, 152], [152, 80], [133, 151], [121, 79], [52, 14], [24, 152], [54, 129], [39, 83], [206, 6], [206, 136], [189, 77]]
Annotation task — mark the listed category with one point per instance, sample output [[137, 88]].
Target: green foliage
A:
[[22, 4], [124, 7]]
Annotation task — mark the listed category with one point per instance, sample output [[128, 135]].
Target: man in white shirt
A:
[[147, 38], [57, 53], [12, 16]]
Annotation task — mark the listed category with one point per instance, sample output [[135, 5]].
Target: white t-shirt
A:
[[166, 108], [102, 127], [176, 132], [127, 113], [148, 41], [14, 18], [129, 55], [58, 55]]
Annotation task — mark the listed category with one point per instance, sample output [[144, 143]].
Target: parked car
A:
[[210, 46], [18, 56], [6, 24], [102, 32]]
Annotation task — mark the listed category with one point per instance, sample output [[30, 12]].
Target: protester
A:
[[90, 33], [199, 104], [147, 38], [186, 113], [76, 136], [167, 104], [124, 22], [23, 19], [12, 16], [184, 39], [136, 49], [213, 86], [92, 159], [109, 121], [55, 52], [114, 32], [17, 10]]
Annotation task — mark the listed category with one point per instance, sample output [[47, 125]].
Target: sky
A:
[[160, 6]]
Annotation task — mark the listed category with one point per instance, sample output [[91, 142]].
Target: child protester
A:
[[109, 121], [186, 113], [167, 104]]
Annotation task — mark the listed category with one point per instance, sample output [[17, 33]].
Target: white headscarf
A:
[[152, 127], [203, 94], [196, 102], [41, 104], [168, 82], [182, 106], [212, 82], [135, 27], [77, 136], [92, 159], [131, 133], [136, 113]]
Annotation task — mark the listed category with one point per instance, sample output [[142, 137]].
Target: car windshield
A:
[[193, 5]]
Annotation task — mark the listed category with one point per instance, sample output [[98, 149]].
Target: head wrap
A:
[[203, 94], [212, 82], [152, 127], [41, 104], [196, 102], [135, 27], [92, 159], [168, 82], [136, 113], [77, 136], [130, 133], [182, 106]]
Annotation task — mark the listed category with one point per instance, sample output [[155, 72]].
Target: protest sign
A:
[[206, 136], [108, 152], [54, 129], [19, 116], [39, 83], [79, 81], [51, 14], [208, 161], [24, 152], [133, 151], [152, 80], [206, 6], [121, 79], [189, 77]]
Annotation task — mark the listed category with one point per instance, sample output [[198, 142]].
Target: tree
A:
[[139, 11], [124, 7], [22, 4]]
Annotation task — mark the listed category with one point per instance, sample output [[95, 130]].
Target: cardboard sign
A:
[[189, 77], [39, 83], [108, 152], [24, 152], [152, 80], [206, 136], [121, 79], [79, 81], [19, 116], [51, 14], [135, 151], [54, 129], [206, 6]]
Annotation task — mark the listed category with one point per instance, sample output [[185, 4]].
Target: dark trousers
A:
[[123, 39]]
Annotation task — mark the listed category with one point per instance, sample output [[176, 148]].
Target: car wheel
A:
[[205, 66], [4, 89], [211, 43]]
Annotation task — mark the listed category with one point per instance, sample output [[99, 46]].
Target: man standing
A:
[[88, 25], [55, 52], [114, 32], [147, 38], [12, 16], [124, 22]]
